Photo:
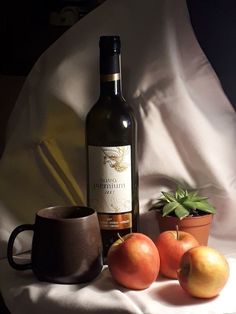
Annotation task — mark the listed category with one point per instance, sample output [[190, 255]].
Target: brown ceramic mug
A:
[[66, 245]]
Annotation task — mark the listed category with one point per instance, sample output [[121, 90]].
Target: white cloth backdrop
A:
[[187, 133]]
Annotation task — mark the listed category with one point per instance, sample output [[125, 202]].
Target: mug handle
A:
[[10, 246]]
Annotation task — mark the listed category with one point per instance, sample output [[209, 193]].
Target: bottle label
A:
[[110, 185], [115, 221]]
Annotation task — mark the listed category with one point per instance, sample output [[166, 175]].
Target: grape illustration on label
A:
[[114, 157]]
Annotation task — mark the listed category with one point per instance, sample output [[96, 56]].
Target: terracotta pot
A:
[[198, 226]]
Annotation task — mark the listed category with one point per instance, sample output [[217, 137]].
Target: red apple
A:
[[134, 261], [203, 272], [172, 245]]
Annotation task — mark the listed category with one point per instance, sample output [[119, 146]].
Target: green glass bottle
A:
[[111, 141]]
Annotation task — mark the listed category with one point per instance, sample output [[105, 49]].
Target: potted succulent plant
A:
[[187, 210]]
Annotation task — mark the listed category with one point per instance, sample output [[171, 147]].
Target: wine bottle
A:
[[111, 141]]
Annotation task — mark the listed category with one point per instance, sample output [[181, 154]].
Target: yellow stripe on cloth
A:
[[52, 159]]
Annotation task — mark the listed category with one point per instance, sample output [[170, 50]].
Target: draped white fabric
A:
[[24, 294], [187, 133]]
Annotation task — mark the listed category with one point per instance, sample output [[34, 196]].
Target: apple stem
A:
[[177, 231], [120, 237]]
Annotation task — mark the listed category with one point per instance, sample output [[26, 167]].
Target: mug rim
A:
[[88, 212]]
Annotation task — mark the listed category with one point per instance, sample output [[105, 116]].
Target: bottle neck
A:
[[110, 75], [110, 88]]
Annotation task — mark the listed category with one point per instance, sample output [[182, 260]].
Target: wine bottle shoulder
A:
[[108, 109], [111, 122]]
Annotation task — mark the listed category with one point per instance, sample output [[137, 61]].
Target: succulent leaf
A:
[[169, 196], [193, 196], [201, 205], [183, 203], [168, 208], [181, 212], [180, 193]]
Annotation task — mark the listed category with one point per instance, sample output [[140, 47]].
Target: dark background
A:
[[214, 23], [26, 31]]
